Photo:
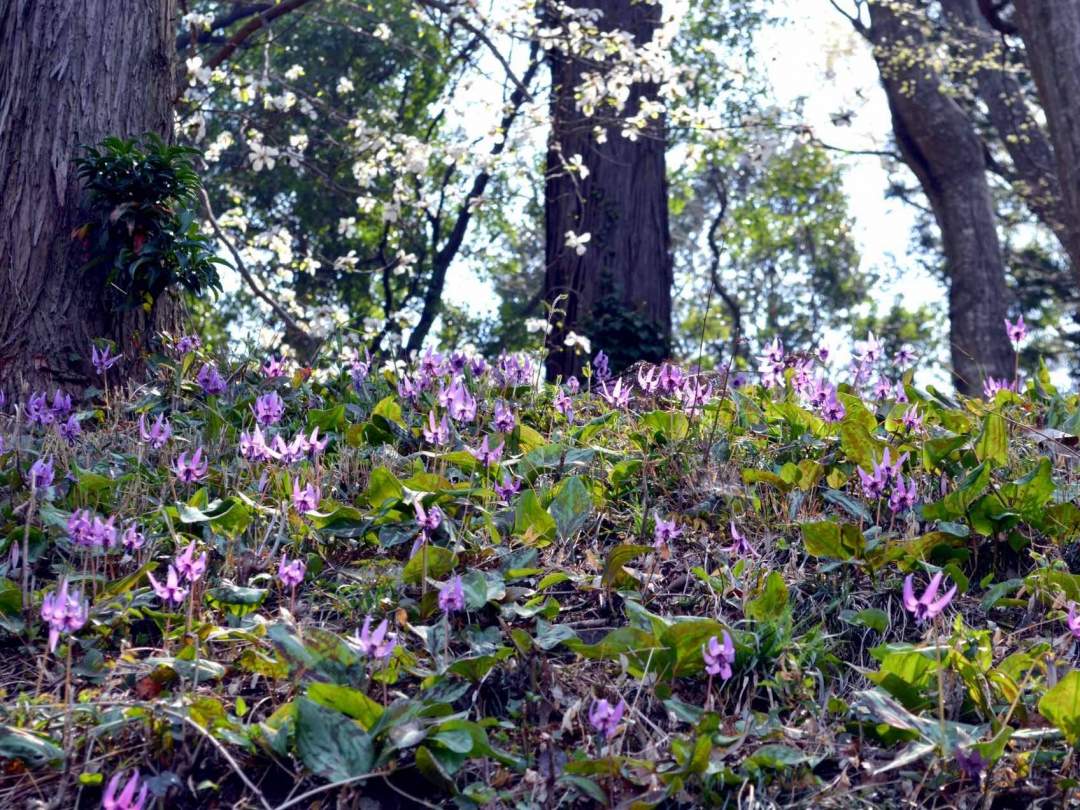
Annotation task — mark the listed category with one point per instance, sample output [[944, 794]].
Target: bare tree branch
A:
[[442, 259], [187, 39], [294, 330], [252, 27], [992, 12]]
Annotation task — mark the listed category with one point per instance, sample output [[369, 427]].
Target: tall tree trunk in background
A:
[[1033, 174], [618, 292], [1051, 34], [941, 147], [71, 73]]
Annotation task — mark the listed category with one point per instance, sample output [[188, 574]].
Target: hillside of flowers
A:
[[448, 584]]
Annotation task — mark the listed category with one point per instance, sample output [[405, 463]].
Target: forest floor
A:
[[273, 588]]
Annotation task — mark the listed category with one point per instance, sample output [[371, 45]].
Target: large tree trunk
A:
[[619, 291], [939, 144], [71, 73], [1033, 173], [1051, 33]]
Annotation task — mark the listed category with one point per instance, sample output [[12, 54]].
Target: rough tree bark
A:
[[71, 73], [1032, 174], [939, 144], [622, 204], [1051, 33]]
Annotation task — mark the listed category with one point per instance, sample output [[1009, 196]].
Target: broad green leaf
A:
[[532, 521], [571, 507], [668, 426], [1061, 706], [351, 702], [993, 442], [437, 562], [858, 445], [822, 539], [853, 506], [383, 487], [389, 409], [331, 745], [772, 601], [327, 419], [33, 749], [617, 557], [235, 599]]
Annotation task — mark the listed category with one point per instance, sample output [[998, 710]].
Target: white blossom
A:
[[576, 242], [580, 342], [537, 325]]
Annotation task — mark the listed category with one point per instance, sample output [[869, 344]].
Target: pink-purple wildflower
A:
[[929, 605]]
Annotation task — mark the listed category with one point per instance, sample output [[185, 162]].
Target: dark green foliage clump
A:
[[143, 228]]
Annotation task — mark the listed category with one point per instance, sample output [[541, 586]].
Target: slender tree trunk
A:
[[1051, 33], [941, 147], [618, 292], [71, 73]]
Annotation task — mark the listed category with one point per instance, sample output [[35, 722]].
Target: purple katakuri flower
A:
[[740, 546], [436, 433], [618, 396], [884, 389], [70, 430], [605, 718], [928, 605], [911, 420], [504, 419], [269, 408], [719, 657], [991, 386], [291, 572], [274, 368], [460, 403], [103, 359], [158, 433], [132, 539], [127, 800], [307, 499], [378, 644], [210, 379], [428, 520], [903, 499], [452, 595], [171, 591], [664, 531], [648, 378], [971, 763], [564, 404], [80, 528], [188, 343], [903, 358], [64, 613], [253, 446], [1016, 331], [508, 488], [41, 473], [193, 469], [869, 351], [38, 410], [486, 454], [61, 405], [1072, 621], [601, 366], [188, 565]]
